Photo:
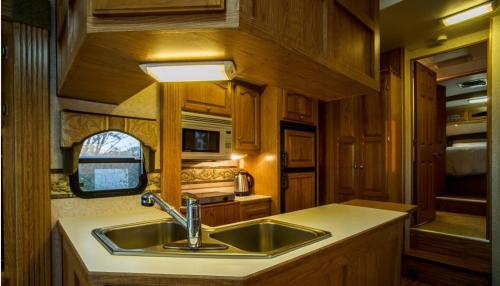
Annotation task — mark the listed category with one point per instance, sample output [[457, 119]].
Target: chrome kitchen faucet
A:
[[192, 222]]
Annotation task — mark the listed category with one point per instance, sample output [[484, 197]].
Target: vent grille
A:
[[210, 119]]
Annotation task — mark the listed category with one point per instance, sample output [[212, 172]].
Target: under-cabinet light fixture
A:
[[478, 100], [190, 71], [468, 14]]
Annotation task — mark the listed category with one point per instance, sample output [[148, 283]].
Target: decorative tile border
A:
[[60, 185], [203, 175]]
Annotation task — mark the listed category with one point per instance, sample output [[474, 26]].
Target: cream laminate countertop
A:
[[342, 221]]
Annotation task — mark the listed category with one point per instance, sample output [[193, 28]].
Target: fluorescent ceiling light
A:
[[190, 71], [468, 14], [478, 100]]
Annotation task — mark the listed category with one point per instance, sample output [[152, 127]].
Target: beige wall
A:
[[494, 84]]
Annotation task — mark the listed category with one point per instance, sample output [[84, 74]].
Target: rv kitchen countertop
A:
[[343, 221]]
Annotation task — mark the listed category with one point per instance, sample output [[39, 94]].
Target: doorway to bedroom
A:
[[450, 142]]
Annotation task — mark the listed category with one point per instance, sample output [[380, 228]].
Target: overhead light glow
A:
[[468, 14], [478, 100], [190, 71]]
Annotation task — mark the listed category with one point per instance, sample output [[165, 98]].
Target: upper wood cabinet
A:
[[246, 118], [210, 98], [152, 7], [299, 108], [321, 49]]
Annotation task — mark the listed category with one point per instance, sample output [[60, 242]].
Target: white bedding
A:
[[466, 159]]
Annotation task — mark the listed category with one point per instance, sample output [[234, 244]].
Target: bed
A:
[[466, 159]]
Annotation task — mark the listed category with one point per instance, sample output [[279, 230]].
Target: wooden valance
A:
[[77, 126]]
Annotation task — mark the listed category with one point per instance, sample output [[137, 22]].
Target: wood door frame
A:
[[409, 108]]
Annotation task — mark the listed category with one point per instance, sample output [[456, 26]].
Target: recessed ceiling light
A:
[[190, 71], [478, 100], [468, 14]]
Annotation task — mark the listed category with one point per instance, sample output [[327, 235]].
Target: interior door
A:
[[372, 169], [440, 143], [425, 143]]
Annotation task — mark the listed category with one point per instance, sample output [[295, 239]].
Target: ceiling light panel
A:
[[468, 14], [190, 71]]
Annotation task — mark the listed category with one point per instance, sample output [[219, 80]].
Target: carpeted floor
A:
[[458, 224]]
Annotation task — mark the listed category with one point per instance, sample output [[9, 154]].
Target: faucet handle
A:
[[147, 200], [190, 198]]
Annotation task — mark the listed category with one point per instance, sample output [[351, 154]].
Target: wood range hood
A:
[[319, 48]]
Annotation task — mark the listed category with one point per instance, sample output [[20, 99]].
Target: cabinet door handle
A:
[[284, 160], [301, 117], [284, 181], [361, 167], [355, 166], [239, 138]]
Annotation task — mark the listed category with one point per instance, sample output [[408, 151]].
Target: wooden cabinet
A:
[[219, 214], [299, 108], [155, 7], [301, 191], [246, 118], [360, 170], [254, 210], [211, 98], [322, 49], [300, 149]]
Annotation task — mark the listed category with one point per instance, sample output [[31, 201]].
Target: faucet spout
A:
[[193, 221]]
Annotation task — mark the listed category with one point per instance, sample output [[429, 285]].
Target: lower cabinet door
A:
[[255, 210], [301, 191]]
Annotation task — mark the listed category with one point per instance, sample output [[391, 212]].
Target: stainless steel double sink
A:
[[263, 238]]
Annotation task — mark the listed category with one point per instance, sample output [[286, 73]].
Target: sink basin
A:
[[268, 237], [254, 239], [142, 235]]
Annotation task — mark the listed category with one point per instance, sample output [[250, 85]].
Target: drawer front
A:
[[154, 7], [255, 210]]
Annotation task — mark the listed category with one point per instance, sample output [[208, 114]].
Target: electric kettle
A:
[[243, 183]]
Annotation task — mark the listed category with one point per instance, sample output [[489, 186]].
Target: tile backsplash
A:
[[203, 175], [193, 173]]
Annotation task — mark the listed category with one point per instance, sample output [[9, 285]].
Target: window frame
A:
[[74, 180]]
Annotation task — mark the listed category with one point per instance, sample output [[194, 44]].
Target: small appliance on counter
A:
[[212, 198], [243, 183]]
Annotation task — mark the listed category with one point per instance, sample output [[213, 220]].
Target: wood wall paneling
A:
[[326, 152], [25, 155], [265, 165], [171, 155], [152, 7]]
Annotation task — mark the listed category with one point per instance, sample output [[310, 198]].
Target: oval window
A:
[[110, 164]]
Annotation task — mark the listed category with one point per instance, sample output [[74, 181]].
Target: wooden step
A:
[[462, 204], [476, 251], [424, 269]]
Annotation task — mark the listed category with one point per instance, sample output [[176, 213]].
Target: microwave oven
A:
[[206, 137]]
